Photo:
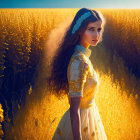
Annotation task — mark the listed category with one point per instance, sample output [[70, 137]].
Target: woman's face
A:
[[92, 33]]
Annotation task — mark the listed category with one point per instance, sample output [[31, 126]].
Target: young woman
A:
[[73, 73]]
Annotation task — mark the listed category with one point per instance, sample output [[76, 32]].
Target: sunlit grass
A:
[[119, 113], [1, 120], [39, 118]]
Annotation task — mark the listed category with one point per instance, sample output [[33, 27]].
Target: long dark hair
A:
[[58, 78]]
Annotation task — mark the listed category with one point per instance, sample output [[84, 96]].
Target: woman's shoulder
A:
[[77, 65], [78, 57], [78, 60]]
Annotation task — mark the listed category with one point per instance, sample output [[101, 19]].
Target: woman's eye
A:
[[91, 29]]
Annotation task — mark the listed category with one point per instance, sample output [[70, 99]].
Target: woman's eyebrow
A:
[[91, 27], [94, 27]]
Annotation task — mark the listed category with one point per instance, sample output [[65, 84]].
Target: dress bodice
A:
[[82, 78]]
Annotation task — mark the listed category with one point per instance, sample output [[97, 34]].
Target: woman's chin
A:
[[93, 44]]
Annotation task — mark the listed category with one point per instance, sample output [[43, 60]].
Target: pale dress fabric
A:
[[83, 81]]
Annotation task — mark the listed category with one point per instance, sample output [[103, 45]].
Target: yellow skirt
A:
[[91, 125]]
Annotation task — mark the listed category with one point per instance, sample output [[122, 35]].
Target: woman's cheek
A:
[[88, 35]]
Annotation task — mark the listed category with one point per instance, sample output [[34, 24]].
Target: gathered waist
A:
[[87, 105]]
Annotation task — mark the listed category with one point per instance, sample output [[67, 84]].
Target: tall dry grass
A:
[[117, 99]]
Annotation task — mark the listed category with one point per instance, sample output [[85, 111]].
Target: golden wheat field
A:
[[117, 100]]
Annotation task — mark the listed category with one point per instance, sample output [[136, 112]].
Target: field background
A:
[[29, 39]]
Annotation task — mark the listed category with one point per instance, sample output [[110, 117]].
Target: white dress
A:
[[83, 81]]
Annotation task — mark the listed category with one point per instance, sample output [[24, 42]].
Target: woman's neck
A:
[[86, 45]]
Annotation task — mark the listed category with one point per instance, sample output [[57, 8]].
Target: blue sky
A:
[[70, 3]]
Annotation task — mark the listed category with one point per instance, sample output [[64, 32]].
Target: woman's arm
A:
[[77, 73], [75, 117]]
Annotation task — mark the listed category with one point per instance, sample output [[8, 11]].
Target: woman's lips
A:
[[95, 40]]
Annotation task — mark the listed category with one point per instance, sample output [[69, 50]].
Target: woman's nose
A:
[[96, 35]]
